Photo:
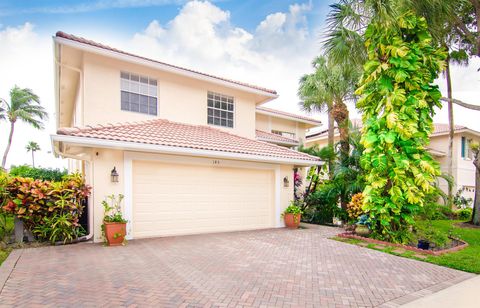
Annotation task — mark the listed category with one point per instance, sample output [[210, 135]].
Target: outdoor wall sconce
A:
[[114, 175], [286, 182]]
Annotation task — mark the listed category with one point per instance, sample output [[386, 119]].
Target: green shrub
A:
[[435, 211], [423, 231], [322, 206], [47, 174], [464, 214], [51, 210]]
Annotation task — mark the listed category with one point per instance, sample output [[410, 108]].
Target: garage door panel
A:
[[173, 199]]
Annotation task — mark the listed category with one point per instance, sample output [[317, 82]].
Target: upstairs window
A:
[[466, 150], [221, 109], [284, 134], [138, 93]]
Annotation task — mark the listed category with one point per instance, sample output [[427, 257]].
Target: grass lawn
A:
[[4, 254], [467, 259]]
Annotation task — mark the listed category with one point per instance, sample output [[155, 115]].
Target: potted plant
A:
[[292, 215], [362, 226], [428, 237], [114, 225]]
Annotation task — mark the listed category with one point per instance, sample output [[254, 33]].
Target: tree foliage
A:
[[397, 101]]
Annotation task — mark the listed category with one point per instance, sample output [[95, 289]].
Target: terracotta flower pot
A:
[[115, 232], [292, 221]]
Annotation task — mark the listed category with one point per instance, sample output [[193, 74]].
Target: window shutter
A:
[[463, 147]]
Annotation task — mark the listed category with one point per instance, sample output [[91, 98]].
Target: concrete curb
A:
[[8, 265]]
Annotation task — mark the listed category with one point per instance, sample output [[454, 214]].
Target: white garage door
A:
[[174, 199]]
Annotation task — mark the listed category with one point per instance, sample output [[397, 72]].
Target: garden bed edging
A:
[[430, 252]]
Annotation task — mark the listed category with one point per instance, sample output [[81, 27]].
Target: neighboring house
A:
[[282, 128], [182, 142], [463, 168]]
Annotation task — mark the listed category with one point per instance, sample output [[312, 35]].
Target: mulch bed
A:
[[456, 244]]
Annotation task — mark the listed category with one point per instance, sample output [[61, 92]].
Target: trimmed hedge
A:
[[46, 174]]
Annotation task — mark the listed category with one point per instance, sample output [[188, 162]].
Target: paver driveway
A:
[[256, 268]]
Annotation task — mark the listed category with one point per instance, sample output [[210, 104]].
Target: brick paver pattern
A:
[[264, 268]]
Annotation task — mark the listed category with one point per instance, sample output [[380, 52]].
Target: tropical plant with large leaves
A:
[[397, 101], [24, 106]]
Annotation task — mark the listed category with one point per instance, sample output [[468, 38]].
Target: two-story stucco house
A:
[[463, 169], [185, 145]]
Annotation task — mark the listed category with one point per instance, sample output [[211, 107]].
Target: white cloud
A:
[[202, 37], [26, 60]]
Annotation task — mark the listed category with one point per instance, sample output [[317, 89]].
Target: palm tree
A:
[[327, 89], [25, 106], [32, 146]]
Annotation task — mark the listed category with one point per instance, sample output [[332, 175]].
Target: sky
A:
[[268, 43]]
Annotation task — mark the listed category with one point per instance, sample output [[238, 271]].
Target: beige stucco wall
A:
[[268, 123], [180, 99]]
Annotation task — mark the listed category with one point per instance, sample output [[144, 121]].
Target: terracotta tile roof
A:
[[99, 45], [288, 114], [438, 128], [167, 133], [269, 137]]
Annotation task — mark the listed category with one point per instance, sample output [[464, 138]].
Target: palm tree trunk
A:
[[451, 130], [33, 159], [476, 201], [331, 137], [7, 149], [341, 117]]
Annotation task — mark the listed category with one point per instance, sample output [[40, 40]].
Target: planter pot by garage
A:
[[362, 230], [423, 244], [115, 232], [292, 221]]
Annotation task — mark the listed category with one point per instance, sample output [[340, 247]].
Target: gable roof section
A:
[[160, 134], [196, 74], [289, 116], [274, 138]]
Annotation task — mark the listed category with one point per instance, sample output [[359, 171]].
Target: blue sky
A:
[[125, 17]]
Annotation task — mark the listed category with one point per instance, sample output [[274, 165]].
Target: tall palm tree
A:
[[348, 20], [328, 88], [32, 146], [25, 106]]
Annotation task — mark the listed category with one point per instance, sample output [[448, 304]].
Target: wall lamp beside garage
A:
[[286, 182], [114, 175]]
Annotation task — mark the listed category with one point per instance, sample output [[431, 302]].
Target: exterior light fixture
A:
[[286, 182], [114, 175]]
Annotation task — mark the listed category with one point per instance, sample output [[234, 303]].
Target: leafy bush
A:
[[112, 208], [422, 231], [464, 214], [47, 174], [460, 201], [321, 206], [354, 207], [51, 210], [435, 211]]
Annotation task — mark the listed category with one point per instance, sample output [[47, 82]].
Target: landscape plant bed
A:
[[455, 245]]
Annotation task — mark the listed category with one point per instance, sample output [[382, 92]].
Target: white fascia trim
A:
[[160, 66], [277, 142], [123, 145], [292, 118]]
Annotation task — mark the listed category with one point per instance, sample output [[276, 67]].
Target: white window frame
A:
[[142, 86], [217, 99]]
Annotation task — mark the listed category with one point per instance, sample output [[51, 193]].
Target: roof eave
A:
[[282, 116], [164, 67], [153, 148], [293, 143]]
